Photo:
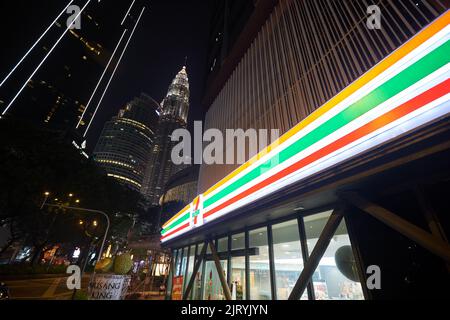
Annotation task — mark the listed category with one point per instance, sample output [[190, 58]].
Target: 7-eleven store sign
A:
[[196, 212], [409, 89]]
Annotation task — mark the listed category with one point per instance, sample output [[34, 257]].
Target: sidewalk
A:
[[147, 295]]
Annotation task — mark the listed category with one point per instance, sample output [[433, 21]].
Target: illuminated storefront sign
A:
[[406, 90]]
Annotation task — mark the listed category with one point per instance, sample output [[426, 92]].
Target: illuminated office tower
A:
[[124, 147]]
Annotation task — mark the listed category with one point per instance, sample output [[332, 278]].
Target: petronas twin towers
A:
[[174, 113], [135, 146]]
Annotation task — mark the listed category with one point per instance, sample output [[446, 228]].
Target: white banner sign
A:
[[107, 287]]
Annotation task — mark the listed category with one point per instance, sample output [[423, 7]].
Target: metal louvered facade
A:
[[305, 53]]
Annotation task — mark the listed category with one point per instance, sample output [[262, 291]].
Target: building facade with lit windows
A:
[[173, 115], [124, 147], [358, 180]]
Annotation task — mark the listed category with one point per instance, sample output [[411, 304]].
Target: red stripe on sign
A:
[[197, 203], [399, 112], [175, 231]]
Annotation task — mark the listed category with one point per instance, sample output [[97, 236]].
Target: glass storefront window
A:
[[179, 254], [259, 265], [197, 288], [212, 287], [237, 278], [238, 241], [184, 262], [288, 257], [190, 267], [222, 245], [336, 277], [171, 271]]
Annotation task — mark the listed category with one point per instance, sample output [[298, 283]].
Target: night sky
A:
[[169, 31]]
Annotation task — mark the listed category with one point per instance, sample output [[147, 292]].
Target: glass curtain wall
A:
[[190, 267], [197, 288], [184, 261], [288, 259], [335, 278], [179, 256], [237, 279], [259, 277]]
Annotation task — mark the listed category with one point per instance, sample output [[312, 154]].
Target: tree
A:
[[35, 160]]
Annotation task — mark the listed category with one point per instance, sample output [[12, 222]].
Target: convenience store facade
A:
[[351, 187]]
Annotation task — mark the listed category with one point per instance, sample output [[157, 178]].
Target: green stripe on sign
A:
[[408, 77], [182, 219]]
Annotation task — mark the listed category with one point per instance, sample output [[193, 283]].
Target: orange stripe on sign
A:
[[384, 65]]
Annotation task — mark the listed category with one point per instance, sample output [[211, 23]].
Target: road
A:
[[45, 288]]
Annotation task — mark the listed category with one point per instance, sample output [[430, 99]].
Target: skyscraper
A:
[[124, 147], [174, 113]]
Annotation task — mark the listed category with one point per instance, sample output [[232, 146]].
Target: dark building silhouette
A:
[[57, 95]]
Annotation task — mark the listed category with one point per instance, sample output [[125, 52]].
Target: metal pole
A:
[[101, 248], [45, 201], [317, 254], [431, 216], [432, 243], [432, 219], [273, 279], [223, 281], [305, 253]]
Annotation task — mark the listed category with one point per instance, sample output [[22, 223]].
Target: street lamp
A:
[[83, 210], [46, 194], [70, 195], [95, 223], [77, 201]]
